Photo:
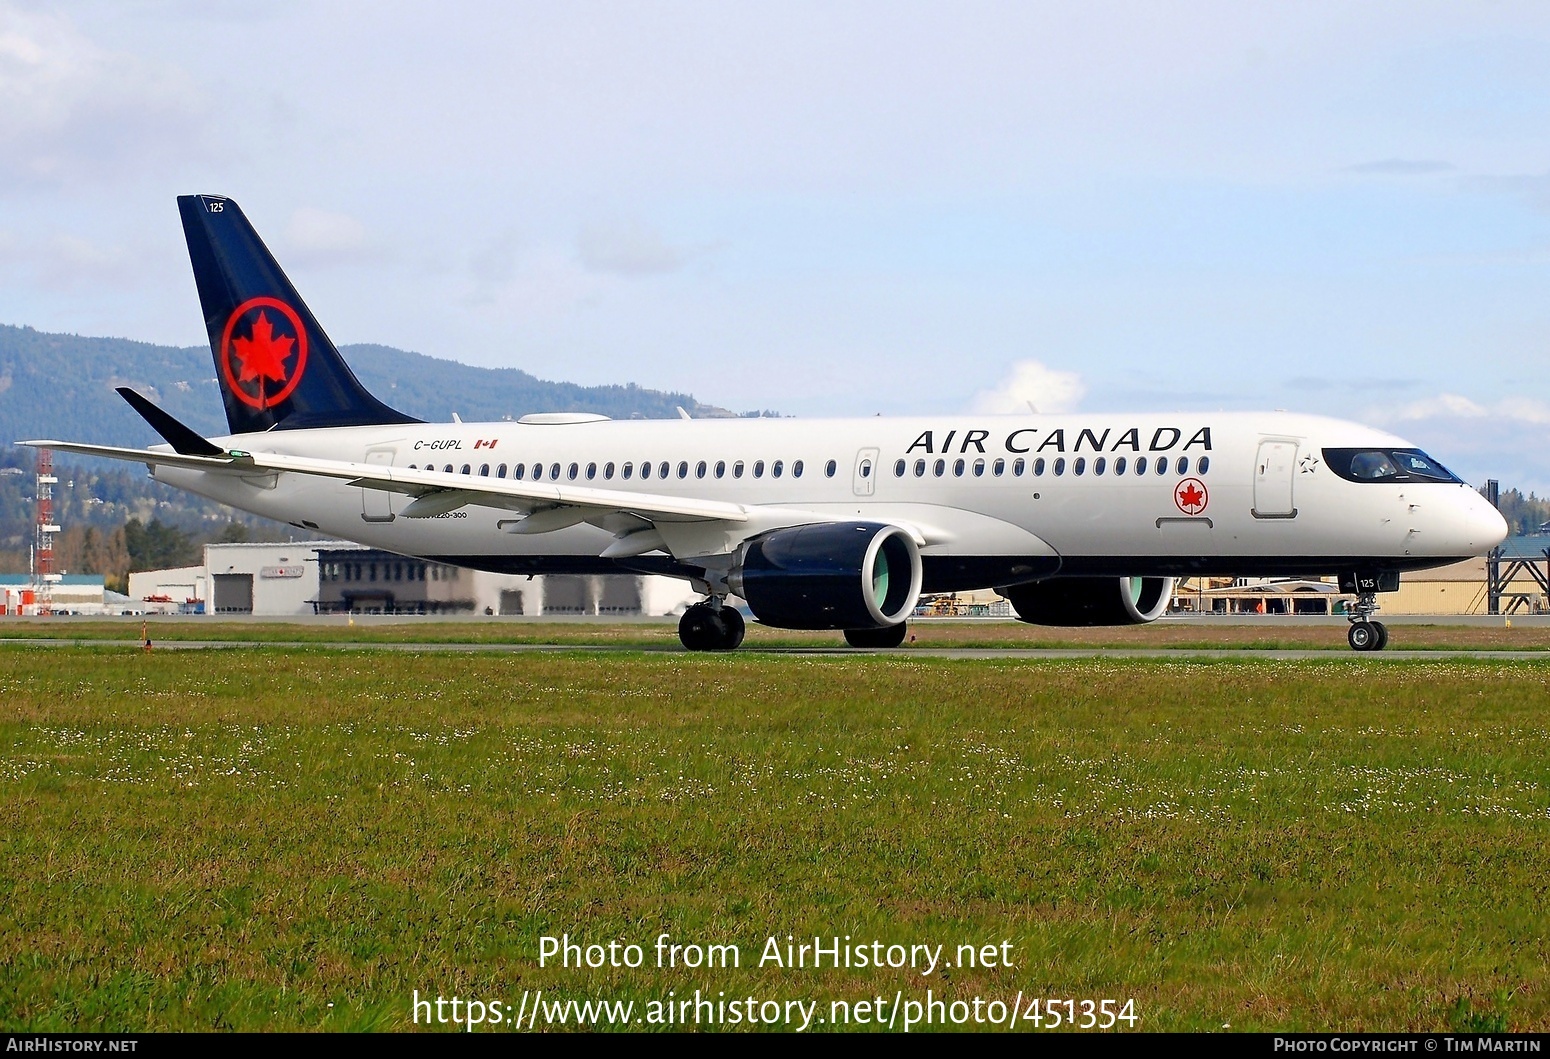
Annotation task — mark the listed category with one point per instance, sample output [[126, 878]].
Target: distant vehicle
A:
[[836, 524]]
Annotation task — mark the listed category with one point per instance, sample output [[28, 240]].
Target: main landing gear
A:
[[711, 626], [1366, 634], [888, 636]]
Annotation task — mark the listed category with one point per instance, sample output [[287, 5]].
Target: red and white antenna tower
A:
[[43, 575]]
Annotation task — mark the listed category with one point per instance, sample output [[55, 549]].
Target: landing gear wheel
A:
[[707, 628], [734, 629], [1383, 635], [891, 636], [1363, 636]]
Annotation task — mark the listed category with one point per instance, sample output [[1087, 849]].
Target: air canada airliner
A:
[[833, 524]]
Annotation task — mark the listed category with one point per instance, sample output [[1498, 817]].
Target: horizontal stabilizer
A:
[[183, 439]]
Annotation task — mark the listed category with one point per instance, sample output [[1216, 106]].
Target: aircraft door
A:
[[377, 504], [1273, 472], [864, 483]]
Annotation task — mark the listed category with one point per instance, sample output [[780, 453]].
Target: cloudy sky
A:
[[832, 208]]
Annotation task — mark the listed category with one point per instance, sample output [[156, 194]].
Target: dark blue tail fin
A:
[[274, 364]]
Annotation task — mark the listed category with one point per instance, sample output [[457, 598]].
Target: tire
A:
[[1383, 635], [889, 636], [698, 629], [1362, 636], [733, 628]]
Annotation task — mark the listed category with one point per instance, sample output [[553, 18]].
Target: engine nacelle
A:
[[1091, 600], [830, 575]]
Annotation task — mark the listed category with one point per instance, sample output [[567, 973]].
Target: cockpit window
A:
[[1386, 465], [1370, 465]]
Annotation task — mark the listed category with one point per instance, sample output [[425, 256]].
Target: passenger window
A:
[[554, 472], [737, 469], [626, 470], [518, 470], [1060, 466], [1162, 465], [829, 469], [645, 469], [958, 468], [574, 470], [1140, 464], [484, 470], [776, 468], [758, 468], [940, 468], [591, 471], [796, 469], [500, 472], [979, 468], [1099, 464], [447, 469], [1079, 466], [699, 469], [1017, 467], [998, 468], [608, 470], [1119, 465], [662, 469], [467, 469], [1203, 465], [721, 468], [1038, 467], [920, 468], [1183, 464], [683, 468], [899, 467]]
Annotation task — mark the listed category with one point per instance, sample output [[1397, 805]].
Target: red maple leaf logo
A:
[[1190, 496], [263, 355]]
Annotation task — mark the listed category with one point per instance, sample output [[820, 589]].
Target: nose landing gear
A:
[[711, 626], [1364, 633]]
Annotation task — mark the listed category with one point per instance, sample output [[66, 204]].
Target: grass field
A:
[[285, 838]]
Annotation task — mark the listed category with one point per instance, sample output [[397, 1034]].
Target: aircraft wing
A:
[[549, 505]]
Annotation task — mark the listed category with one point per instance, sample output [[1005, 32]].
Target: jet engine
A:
[[830, 575], [1091, 600]]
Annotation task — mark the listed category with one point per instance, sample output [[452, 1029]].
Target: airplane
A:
[[843, 524]]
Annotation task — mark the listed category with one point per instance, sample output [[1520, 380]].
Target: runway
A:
[[893, 654]]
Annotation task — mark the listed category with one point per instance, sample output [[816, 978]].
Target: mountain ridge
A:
[[55, 385]]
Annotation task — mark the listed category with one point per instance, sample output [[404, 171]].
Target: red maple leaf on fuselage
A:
[[263, 355], [1189, 496]]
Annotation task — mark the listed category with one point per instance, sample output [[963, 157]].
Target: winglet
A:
[[184, 440]]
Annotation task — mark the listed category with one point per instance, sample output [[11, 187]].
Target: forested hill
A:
[[61, 386]]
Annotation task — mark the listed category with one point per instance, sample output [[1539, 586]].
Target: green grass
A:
[[663, 634], [240, 839]]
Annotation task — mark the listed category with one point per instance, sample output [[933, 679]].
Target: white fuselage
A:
[[1262, 500]]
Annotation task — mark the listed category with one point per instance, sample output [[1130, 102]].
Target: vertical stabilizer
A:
[[273, 363]]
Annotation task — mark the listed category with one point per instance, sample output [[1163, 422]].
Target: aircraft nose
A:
[[1484, 527]]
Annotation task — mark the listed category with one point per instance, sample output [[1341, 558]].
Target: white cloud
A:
[[1455, 406], [72, 110], [68, 262], [627, 248], [321, 237], [1031, 382]]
